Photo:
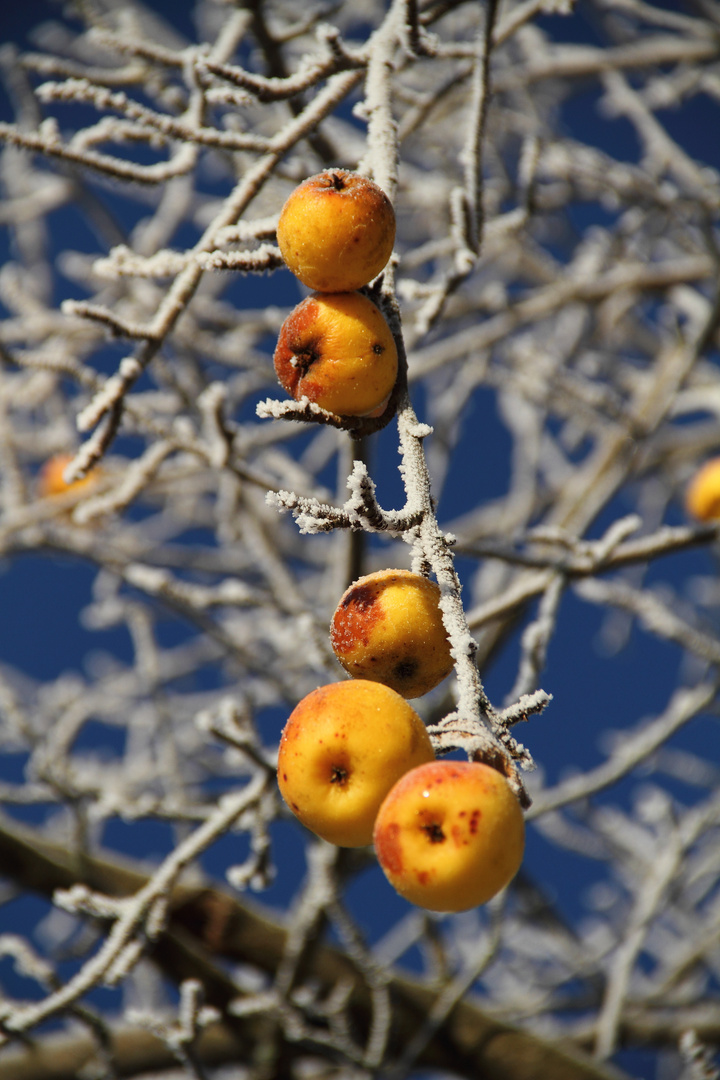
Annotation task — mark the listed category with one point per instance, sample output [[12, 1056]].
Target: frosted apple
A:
[[388, 627], [450, 835], [336, 231], [702, 497], [342, 749], [337, 350]]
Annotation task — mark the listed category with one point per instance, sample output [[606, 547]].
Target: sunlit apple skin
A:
[[342, 749], [450, 835], [388, 627], [702, 497], [337, 350], [336, 231], [51, 482]]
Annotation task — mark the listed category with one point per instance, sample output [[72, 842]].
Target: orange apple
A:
[[51, 482], [337, 350], [342, 749], [388, 627], [336, 231], [450, 835], [702, 497]]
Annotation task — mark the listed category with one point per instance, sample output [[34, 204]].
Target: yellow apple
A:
[[336, 231], [702, 498], [342, 749], [388, 627], [450, 835], [337, 350]]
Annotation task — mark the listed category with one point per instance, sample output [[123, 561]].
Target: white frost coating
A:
[[123, 262], [463, 645], [137, 475], [271, 409], [264, 256], [129, 368], [84, 458], [311, 516], [362, 492], [69, 307], [526, 705], [128, 371], [282, 500], [420, 431], [310, 524], [148, 578], [247, 230], [211, 403], [158, 582]]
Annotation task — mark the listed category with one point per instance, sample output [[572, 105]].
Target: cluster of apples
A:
[[336, 233], [355, 761], [356, 764]]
